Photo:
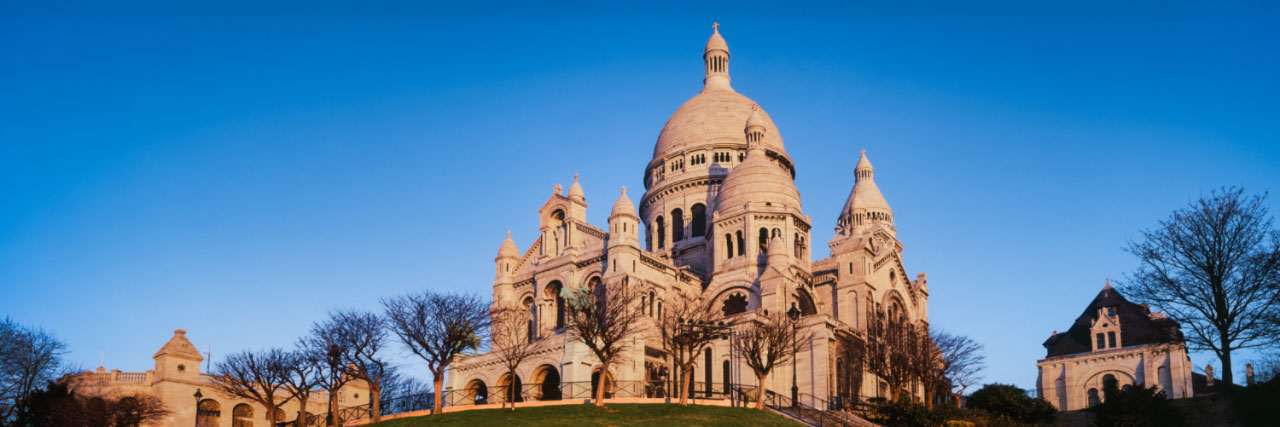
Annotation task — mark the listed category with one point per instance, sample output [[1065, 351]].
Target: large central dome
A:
[[713, 117]]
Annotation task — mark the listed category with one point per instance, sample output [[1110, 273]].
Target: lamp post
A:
[[794, 314], [198, 396]]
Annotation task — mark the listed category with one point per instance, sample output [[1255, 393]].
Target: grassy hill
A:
[[610, 415]]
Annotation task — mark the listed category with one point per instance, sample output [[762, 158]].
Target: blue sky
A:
[[239, 170]]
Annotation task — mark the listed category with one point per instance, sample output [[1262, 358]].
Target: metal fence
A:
[[835, 411]]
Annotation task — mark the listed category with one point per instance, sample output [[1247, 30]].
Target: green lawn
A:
[[611, 415]]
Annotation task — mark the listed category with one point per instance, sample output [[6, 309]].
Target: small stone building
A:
[[1113, 339], [177, 377]]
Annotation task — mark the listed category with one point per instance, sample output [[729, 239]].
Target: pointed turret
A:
[[505, 270], [624, 225], [575, 191], [716, 57], [865, 206]]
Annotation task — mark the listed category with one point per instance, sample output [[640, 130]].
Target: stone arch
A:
[[510, 388], [477, 392], [547, 378], [610, 386], [1094, 380], [208, 413], [896, 305], [242, 416], [736, 292], [677, 225], [699, 223], [805, 302]]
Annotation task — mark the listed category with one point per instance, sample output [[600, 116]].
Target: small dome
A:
[[508, 248], [716, 42], [777, 250], [757, 180], [755, 120], [623, 206], [575, 190]]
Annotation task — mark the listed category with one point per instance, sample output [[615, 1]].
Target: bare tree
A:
[[962, 360], [604, 320], [890, 342], [511, 341], [29, 358], [75, 401], [767, 342], [360, 337], [685, 336], [305, 375], [324, 345], [437, 328], [259, 376], [926, 362], [1213, 267]]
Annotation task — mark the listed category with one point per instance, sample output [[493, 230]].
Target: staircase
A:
[[810, 410]]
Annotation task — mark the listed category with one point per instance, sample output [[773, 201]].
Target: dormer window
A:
[[1111, 311]]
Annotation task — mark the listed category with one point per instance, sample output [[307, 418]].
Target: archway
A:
[[552, 292], [511, 389], [242, 416], [609, 385], [208, 412], [548, 380], [477, 392]]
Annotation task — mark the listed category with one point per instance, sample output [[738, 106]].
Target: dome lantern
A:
[[716, 58]]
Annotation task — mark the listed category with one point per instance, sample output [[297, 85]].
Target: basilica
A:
[[720, 218]]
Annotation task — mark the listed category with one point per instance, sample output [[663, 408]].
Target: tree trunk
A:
[[761, 390], [375, 407], [303, 420], [1226, 363], [604, 379], [438, 383], [336, 419], [685, 376]]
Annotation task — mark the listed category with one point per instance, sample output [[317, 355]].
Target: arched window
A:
[[764, 239], [207, 413], [662, 232], [699, 220], [799, 246], [776, 233], [528, 305], [677, 225], [706, 371], [742, 247], [242, 416], [553, 292], [1094, 400], [728, 245], [1108, 381], [651, 301], [725, 376]]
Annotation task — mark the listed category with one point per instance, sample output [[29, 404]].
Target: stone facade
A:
[[721, 218], [1113, 339], [177, 377]]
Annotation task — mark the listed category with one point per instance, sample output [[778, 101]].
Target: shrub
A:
[[1007, 401], [1134, 406]]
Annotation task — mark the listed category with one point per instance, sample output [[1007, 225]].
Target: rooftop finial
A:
[[624, 190], [575, 177], [508, 234], [1108, 286], [715, 26], [863, 152]]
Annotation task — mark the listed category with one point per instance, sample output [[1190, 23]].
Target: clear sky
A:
[[238, 171]]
